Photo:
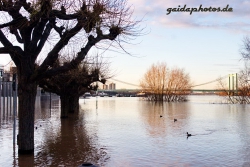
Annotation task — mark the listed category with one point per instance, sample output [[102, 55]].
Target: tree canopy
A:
[[164, 84], [33, 23]]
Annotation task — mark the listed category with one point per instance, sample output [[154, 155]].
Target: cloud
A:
[[236, 21], [236, 26]]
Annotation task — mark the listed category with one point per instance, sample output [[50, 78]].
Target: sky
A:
[[205, 44]]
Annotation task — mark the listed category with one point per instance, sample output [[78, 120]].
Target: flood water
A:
[[129, 132]]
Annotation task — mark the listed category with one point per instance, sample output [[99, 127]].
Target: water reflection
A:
[[154, 116], [129, 132], [244, 132], [71, 146], [6, 111], [58, 142], [159, 117], [66, 141]]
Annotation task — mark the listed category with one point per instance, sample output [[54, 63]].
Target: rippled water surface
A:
[[129, 132]]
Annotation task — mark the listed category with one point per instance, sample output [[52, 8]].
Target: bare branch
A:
[[27, 6], [64, 16], [18, 37], [43, 39], [245, 51], [37, 32], [53, 54], [4, 50], [6, 43]]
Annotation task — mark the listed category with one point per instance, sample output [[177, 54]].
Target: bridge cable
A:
[[191, 86]]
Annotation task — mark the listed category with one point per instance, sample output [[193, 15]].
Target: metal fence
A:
[[6, 100], [8, 103]]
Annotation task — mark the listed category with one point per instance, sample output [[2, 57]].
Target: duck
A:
[[175, 120], [188, 134]]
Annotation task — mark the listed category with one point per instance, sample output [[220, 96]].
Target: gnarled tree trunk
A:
[[26, 109]]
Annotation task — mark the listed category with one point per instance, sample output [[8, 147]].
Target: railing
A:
[[8, 103], [6, 100]]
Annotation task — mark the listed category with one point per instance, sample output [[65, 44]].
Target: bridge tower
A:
[[233, 84]]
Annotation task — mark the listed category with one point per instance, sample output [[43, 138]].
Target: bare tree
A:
[[178, 85], [244, 74], [164, 84], [44, 28], [242, 93], [245, 50], [224, 91], [74, 83], [154, 81]]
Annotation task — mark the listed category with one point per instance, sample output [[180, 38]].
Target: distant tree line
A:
[[161, 83]]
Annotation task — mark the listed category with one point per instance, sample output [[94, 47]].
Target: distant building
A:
[[7, 75], [105, 87], [112, 86]]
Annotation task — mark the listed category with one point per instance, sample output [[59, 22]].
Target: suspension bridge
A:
[[193, 87]]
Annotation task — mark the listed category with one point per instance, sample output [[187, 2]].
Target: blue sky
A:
[[205, 44]]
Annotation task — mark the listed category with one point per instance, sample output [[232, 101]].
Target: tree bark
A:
[[65, 106], [26, 109], [74, 102]]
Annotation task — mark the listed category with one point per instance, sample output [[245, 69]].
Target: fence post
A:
[[4, 87], [7, 96], [0, 98], [10, 93], [0, 93], [14, 88]]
